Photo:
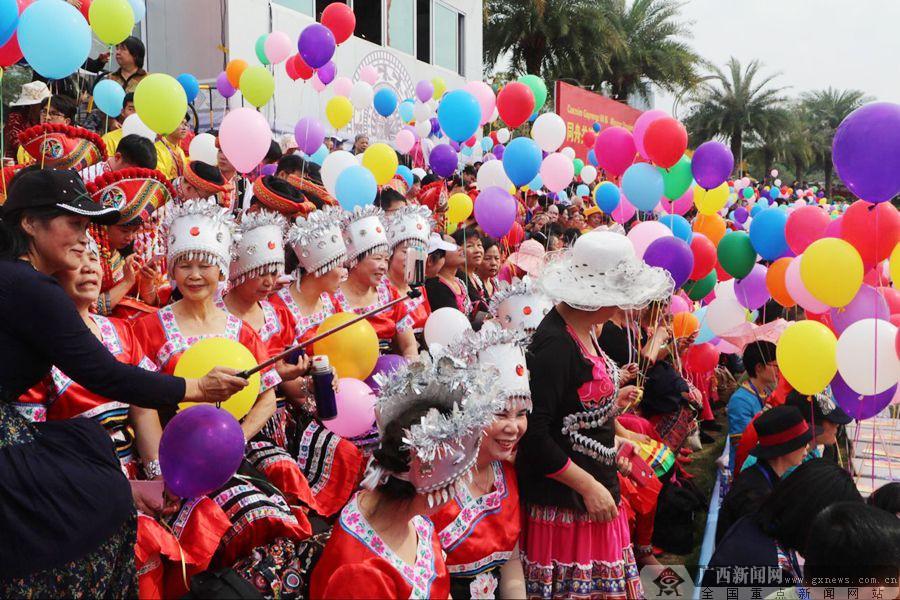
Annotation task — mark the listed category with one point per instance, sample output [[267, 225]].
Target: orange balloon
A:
[[684, 324], [712, 226], [776, 284], [234, 70]]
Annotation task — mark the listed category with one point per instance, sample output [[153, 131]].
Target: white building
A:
[[406, 40]]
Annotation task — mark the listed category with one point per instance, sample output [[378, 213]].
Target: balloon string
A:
[[184, 577]]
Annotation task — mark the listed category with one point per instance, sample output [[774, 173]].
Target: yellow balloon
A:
[[339, 111], [832, 271], [353, 351], [451, 228], [201, 357], [111, 20], [160, 102], [440, 86], [381, 160], [807, 356], [459, 207], [710, 201], [894, 263], [257, 85]]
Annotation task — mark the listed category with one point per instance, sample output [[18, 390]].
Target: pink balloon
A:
[[798, 291], [833, 230], [645, 233], [317, 83], [614, 149], [369, 74], [624, 211], [355, 409], [485, 96], [404, 141], [680, 206], [805, 225], [278, 46], [557, 171], [640, 128], [245, 138], [341, 86], [678, 304]]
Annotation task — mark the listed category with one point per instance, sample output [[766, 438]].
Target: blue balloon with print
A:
[[355, 186], [767, 233], [109, 97], [521, 160], [679, 226], [9, 18], [406, 173], [607, 196], [54, 38], [643, 185], [459, 114], [406, 110], [385, 102], [191, 86]]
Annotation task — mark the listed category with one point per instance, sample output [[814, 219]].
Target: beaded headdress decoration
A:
[[199, 229], [317, 240], [519, 305], [59, 146], [136, 192], [259, 247]]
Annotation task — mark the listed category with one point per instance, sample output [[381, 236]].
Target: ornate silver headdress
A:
[[409, 223], [317, 240], [259, 248], [365, 232], [199, 229], [519, 305]]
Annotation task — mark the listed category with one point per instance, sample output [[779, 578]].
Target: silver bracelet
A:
[[152, 470]]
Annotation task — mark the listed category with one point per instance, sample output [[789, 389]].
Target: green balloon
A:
[[579, 165], [538, 88], [261, 49], [700, 289], [678, 179], [736, 254], [747, 193]]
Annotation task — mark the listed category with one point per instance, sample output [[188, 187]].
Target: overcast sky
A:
[[812, 43]]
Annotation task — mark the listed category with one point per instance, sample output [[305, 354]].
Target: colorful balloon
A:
[[355, 404], [160, 101], [705, 256], [859, 406], [443, 160], [557, 172], [515, 102], [495, 211], [873, 229], [549, 131], [866, 358], [278, 47], [712, 226], [444, 326], [640, 128], [866, 151], [767, 233], [751, 291], [711, 164], [53, 37], [316, 45], [679, 226], [736, 254], [538, 90], [111, 20], [832, 271], [485, 96], [645, 233], [355, 186], [382, 161], [643, 185], [867, 304], [804, 226], [109, 97], [339, 111], [339, 18], [521, 159], [807, 356], [459, 115], [794, 283], [234, 69], [698, 289], [385, 102], [614, 149], [309, 134], [245, 138], [684, 324], [607, 196], [257, 85], [353, 351], [459, 207], [677, 179], [709, 202], [190, 84], [673, 255], [665, 141], [776, 283]]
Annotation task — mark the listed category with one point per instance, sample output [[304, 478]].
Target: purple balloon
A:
[[424, 90], [498, 150], [316, 45], [200, 450], [309, 134], [866, 151], [327, 72], [224, 86], [751, 291], [495, 211], [435, 126], [443, 160], [855, 404], [711, 164], [867, 304], [672, 254], [455, 145], [269, 169], [740, 214], [387, 363]]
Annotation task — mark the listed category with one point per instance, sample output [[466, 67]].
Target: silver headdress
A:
[[519, 305], [409, 223], [317, 240], [199, 229], [259, 248], [365, 232]]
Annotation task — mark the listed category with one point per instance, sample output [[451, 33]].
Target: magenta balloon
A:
[[495, 211], [711, 164], [866, 151], [614, 149], [672, 254], [751, 291], [855, 404], [804, 226], [386, 364], [224, 86], [640, 128], [327, 72], [443, 160], [310, 134], [624, 211], [316, 45], [834, 228], [355, 409], [200, 450], [867, 304], [680, 206]]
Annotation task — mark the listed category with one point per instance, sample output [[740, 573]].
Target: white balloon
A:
[[423, 128], [444, 326], [203, 149], [549, 131], [333, 165], [492, 174], [134, 126], [422, 112], [404, 141], [494, 115], [361, 95], [570, 153], [724, 314], [588, 174], [866, 357], [420, 172], [774, 173], [503, 135], [777, 183], [725, 290]]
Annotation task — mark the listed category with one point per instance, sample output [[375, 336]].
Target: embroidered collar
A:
[[304, 323], [473, 510]]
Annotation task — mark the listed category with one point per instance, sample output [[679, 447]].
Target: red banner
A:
[[580, 109]]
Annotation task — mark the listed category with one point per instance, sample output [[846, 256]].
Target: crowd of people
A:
[[540, 453]]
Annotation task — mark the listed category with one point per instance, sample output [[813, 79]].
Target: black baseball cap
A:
[[62, 188]]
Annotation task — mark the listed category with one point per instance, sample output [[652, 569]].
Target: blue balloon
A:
[[643, 185], [487, 143], [756, 209], [466, 150], [607, 196], [191, 86], [109, 97], [521, 160], [406, 173], [583, 190], [536, 183], [767, 233], [774, 192], [705, 334], [533, 116], [459, 114], [406, 110], [679, 226], [385, 102], [54, 38], [596, 127], [562, 196], [355, 186], [319, 155], [592, 157], [9, 19]]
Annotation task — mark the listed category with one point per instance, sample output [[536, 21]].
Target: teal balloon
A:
[[109, 97], [486, 144], [191, 86], [319, 155], [406, 173], [679, 226], [607, 196], [583, 190], [747, 193], [355, 186], [9, 18], [385, 102], [521, 160], [536, 183], [459, 114], [54, 37], [767, 233], [643, 185], [677, 179], [406, 110], [774, 192], [704, 334], [261, 49], [466, 150]]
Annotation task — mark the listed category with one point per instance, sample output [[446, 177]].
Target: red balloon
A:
[[823, 318], [515, 103], [873, 229], [471, 141], [10, 53], [588, 139], [296, 67], [892, 296], [339, 18], [665, 142], [85, 8], [875, 276], [701, 358], [804, 226], [704, 252], [722, 274], [515, 236], [493, 137]]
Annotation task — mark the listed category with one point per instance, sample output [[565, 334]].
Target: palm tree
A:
[[735, 104], [788, 143], [826, 109]]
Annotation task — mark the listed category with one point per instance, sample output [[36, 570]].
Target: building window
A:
[[401, 29], [423, 30], [368, 20], [321, 4], [303, 6], [446, 37]]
